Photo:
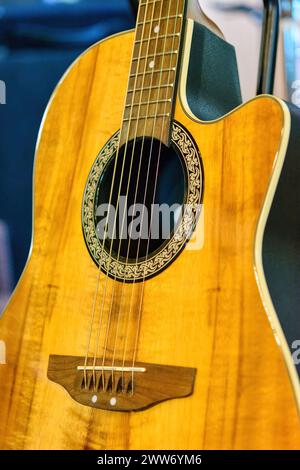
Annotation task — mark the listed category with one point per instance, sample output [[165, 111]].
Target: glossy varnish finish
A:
[[203, 311]]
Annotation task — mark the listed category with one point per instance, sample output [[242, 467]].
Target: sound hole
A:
[[145, 172]]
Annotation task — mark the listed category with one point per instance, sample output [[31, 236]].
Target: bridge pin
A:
[[113, 401], [94, 399]]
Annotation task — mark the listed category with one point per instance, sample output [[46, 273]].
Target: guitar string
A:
[[107, 219], [127, 192], [119, 193], [155, 187], [158, 25], [146, 184], [130, 171]]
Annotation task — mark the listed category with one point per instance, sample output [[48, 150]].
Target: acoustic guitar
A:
[[122, 334]]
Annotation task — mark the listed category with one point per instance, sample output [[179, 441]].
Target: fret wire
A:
[[149, 102], [157, 54], [135, 118], [164, 18], [162, 36], [154, 87], [171, 69], [149, 3]]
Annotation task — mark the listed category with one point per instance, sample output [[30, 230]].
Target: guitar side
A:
[[204, 311]]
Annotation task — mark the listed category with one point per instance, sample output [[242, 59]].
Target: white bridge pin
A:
[[113, 401], [94, 399]]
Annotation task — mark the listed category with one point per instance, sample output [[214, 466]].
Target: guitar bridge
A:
[[120, 388]]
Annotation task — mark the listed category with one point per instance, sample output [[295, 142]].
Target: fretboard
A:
[[154, 70]]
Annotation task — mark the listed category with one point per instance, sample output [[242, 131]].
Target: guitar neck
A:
[[154, 70]]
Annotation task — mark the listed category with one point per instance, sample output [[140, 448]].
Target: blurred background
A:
[[39, 39]]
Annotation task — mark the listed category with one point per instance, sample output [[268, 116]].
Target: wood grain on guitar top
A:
[[204, 311]]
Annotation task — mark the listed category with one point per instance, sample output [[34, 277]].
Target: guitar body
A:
[[204, 311]]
